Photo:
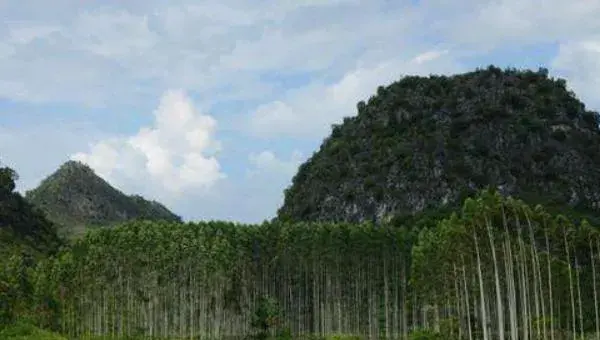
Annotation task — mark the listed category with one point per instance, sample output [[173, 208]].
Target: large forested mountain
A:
[[428, 142], [74, 197], [21, 224]]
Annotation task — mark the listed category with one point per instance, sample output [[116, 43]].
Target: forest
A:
[[460, 208], [495, 269]]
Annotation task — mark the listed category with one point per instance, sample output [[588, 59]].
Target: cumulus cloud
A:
[[309, 112], [176, 154]]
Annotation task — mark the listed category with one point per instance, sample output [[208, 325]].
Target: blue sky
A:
[[210, 106]]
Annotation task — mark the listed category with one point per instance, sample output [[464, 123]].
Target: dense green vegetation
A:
[[425, 142], [74, 198], [25, 331], [497, 269], [22, 226]]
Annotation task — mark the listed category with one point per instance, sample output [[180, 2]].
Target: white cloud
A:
[[174, 155], [113, 34], [249, 198], [97, 53], [263, 187], [429, 56], [26, 34], [579, 62], [35, 151], [98, 56], [6, 50], [309, 112], [484, 24], [266, 162], [273, 118]]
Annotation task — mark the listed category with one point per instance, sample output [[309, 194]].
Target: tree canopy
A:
[[496, 268], [22, 224]]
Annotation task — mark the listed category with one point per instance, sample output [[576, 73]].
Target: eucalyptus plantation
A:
[[537, 305], [496, 270]]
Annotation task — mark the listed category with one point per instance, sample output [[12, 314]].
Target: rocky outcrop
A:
[[429, 142]]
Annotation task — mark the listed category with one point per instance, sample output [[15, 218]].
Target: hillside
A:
[[75, 197], [21, 224], [423, 143]]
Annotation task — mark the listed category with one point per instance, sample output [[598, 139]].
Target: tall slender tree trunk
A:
[[510, 278], [572, 294], [522, 261], [535, 276], [578, 272], [467, 304], [499, 308], [550, 297], [595, 287], [484, 325]]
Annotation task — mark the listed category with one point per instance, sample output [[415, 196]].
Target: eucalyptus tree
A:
[[593, 237]]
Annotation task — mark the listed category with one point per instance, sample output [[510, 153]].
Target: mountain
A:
[[425, 143], [74, 197], [21, 224]]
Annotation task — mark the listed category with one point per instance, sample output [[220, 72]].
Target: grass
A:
[[335, 337], [24, 331]]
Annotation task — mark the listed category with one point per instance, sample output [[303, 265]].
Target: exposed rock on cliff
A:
[[428, 142]]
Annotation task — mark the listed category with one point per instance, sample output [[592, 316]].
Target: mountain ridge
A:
[[75, 197], [425, 143]]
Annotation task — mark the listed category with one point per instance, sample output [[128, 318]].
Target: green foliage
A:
[[159, 280], [449, 327], [429, 142], [426, 334], [8, 177], [267, 320], [74, 197], [25, 331], [22, 226]]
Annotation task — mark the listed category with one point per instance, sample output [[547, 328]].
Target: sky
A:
[[210, 106]]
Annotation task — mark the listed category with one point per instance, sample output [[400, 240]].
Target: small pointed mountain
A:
[[75, 197]]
